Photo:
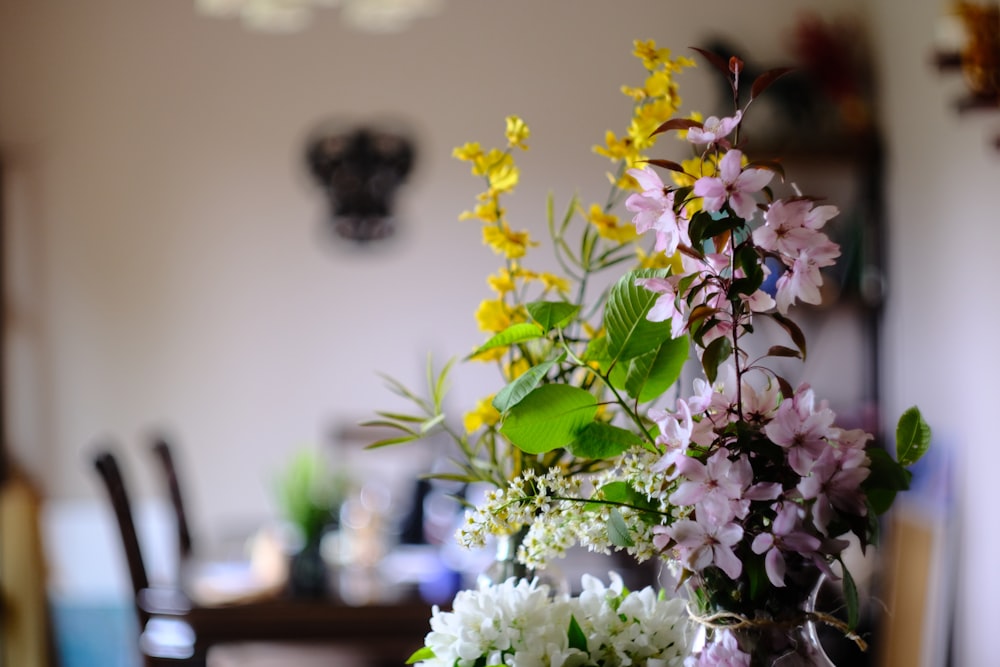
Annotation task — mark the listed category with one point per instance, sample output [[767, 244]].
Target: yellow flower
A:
[[617, 149], [493, 315], [516, 368], [484, 414], [650, 56], [507, 242], [608, 225], [660, 84], [469, 152], [502, 281], [487, 211], [658, 260], [483, 162], [517, 133], [554, 282]]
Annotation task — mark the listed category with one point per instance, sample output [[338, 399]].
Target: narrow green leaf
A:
[[913, 437], [575, 635], [550, 416], [618, 530], [521, 386], [515, 333], [850, 597], [385, 423], [653, 373], [552, 314], [395, 416], [598, 440], [431, 423], [392, 441]]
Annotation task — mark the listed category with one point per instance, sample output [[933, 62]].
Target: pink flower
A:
[[720, 489], [654, 209], [801, 430], [784, 230], [700, 545], [835, 484], [665, 306], [783, 538], [724, 651], [733, 183], [714, 129], [803, 280], [675, 427]]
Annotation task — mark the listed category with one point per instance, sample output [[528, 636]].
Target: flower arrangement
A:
[[744, 482]]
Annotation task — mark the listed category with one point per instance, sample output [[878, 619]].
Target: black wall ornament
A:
[[360, 169]]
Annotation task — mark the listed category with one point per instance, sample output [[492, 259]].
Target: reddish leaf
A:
[[786, 388], [699, 313], [677, 124], [717, 61], [793, 331], [690, 252], [782, 351], [667, 164], [764, 81]]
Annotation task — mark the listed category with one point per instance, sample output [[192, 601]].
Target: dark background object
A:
[[360, 169]]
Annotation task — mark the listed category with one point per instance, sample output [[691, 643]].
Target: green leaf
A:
[[622, 492], [521, 386], [618, 530], [576, 636], [550, 416], [421, 654], [913, 437], [598, 440], [597, 351], [515, 333], [887, 477], [654, 372], [629, 333], [716, 353], [552, 314], [850, 597]]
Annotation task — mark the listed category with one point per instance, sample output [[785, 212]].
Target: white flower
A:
[[520, 623]]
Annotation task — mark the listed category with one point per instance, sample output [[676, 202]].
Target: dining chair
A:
[[271, 632], [163, 641], [164, 456]]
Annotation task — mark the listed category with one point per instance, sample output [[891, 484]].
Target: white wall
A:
[[169, 265], [939, 344]]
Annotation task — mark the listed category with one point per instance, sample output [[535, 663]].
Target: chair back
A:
[[110, 473], [162, 451]]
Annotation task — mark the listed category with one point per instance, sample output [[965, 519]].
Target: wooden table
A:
[[386, 634]]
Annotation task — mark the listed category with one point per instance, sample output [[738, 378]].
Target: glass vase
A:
[[773, 638]]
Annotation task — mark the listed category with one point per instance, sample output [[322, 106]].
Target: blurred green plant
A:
[[310, 493]]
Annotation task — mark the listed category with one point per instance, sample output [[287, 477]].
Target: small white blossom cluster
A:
[[562, 511], [519, 623]]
